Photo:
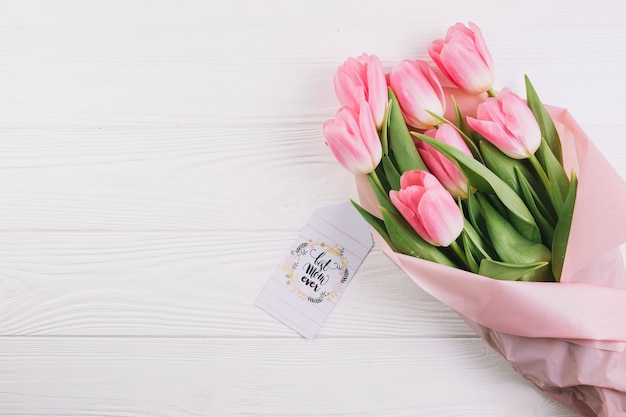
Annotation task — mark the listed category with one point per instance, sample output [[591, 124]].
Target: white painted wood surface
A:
[[157, 159]]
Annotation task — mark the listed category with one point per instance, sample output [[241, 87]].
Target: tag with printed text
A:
[[307, 284]]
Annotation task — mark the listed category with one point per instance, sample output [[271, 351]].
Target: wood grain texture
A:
[[193, 178], [244, 62], [167, 179], [189, 284], [158, 157], [216, 377]]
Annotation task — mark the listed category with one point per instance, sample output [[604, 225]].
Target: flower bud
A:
[[353, 139], [428, 208], [359, 79], [419, 92], [508, 123], [464, 58], [445, 170]]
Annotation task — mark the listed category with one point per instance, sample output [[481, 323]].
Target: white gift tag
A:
[[307, 284]]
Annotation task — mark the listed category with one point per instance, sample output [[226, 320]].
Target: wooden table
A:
[[157, 159]]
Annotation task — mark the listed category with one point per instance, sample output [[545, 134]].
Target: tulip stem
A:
[[460, 253], [376, 181]]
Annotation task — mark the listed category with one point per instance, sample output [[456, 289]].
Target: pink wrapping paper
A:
[[568, 338]]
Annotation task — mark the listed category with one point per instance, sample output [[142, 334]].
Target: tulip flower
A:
[[507, 122], [363, 78], [428, 208], [445, 170], [419, 92], [464, 58], [353, 139]]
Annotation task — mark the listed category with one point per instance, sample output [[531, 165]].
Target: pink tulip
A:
[[507, 122], [353, 139], [464, 58], [417, 88], [428, 208], [363, 78], [446, 172]]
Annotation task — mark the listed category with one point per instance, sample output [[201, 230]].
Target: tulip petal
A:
[[473, 76], [521, 122], [441, 217], [431, 182], [349, 88], [461, 35], [362, 78], [346, 150], [377, 90], [486, 128], [344, 138], [407, 201], [494, 133], [414, 177], [428, 208], [449, 134], [407, 242], [369, 135], [508, 123], [481, 45], [464, 58], [434, 50], [491, 109], [418, 92], [446, 172]]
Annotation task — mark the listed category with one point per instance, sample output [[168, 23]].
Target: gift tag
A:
[[307, 284]]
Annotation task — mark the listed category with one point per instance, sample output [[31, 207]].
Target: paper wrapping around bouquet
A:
[[540, 328]]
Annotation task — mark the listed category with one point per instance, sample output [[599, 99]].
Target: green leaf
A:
[[502, 165], [559, 182], [373, 221], [461, 124], [513, 171], [407, 241], [381, 194], [506, 271], [485, 180], [510, 245], [464, 130], [469, 141], [380, 174], [469, 255], [536, 208], [400, 139], [548, 131], [479, 246], [562, 229], [475, 216], [391, 173]]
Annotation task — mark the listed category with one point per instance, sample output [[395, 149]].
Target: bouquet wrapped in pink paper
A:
[[500, 207]]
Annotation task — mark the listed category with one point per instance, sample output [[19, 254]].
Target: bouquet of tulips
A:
[[500, 207]]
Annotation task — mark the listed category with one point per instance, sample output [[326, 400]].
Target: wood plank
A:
[[354, 12], [249, 62], [189, 284], [158, 157], [263, 377], [167, 179], [194, 178]]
